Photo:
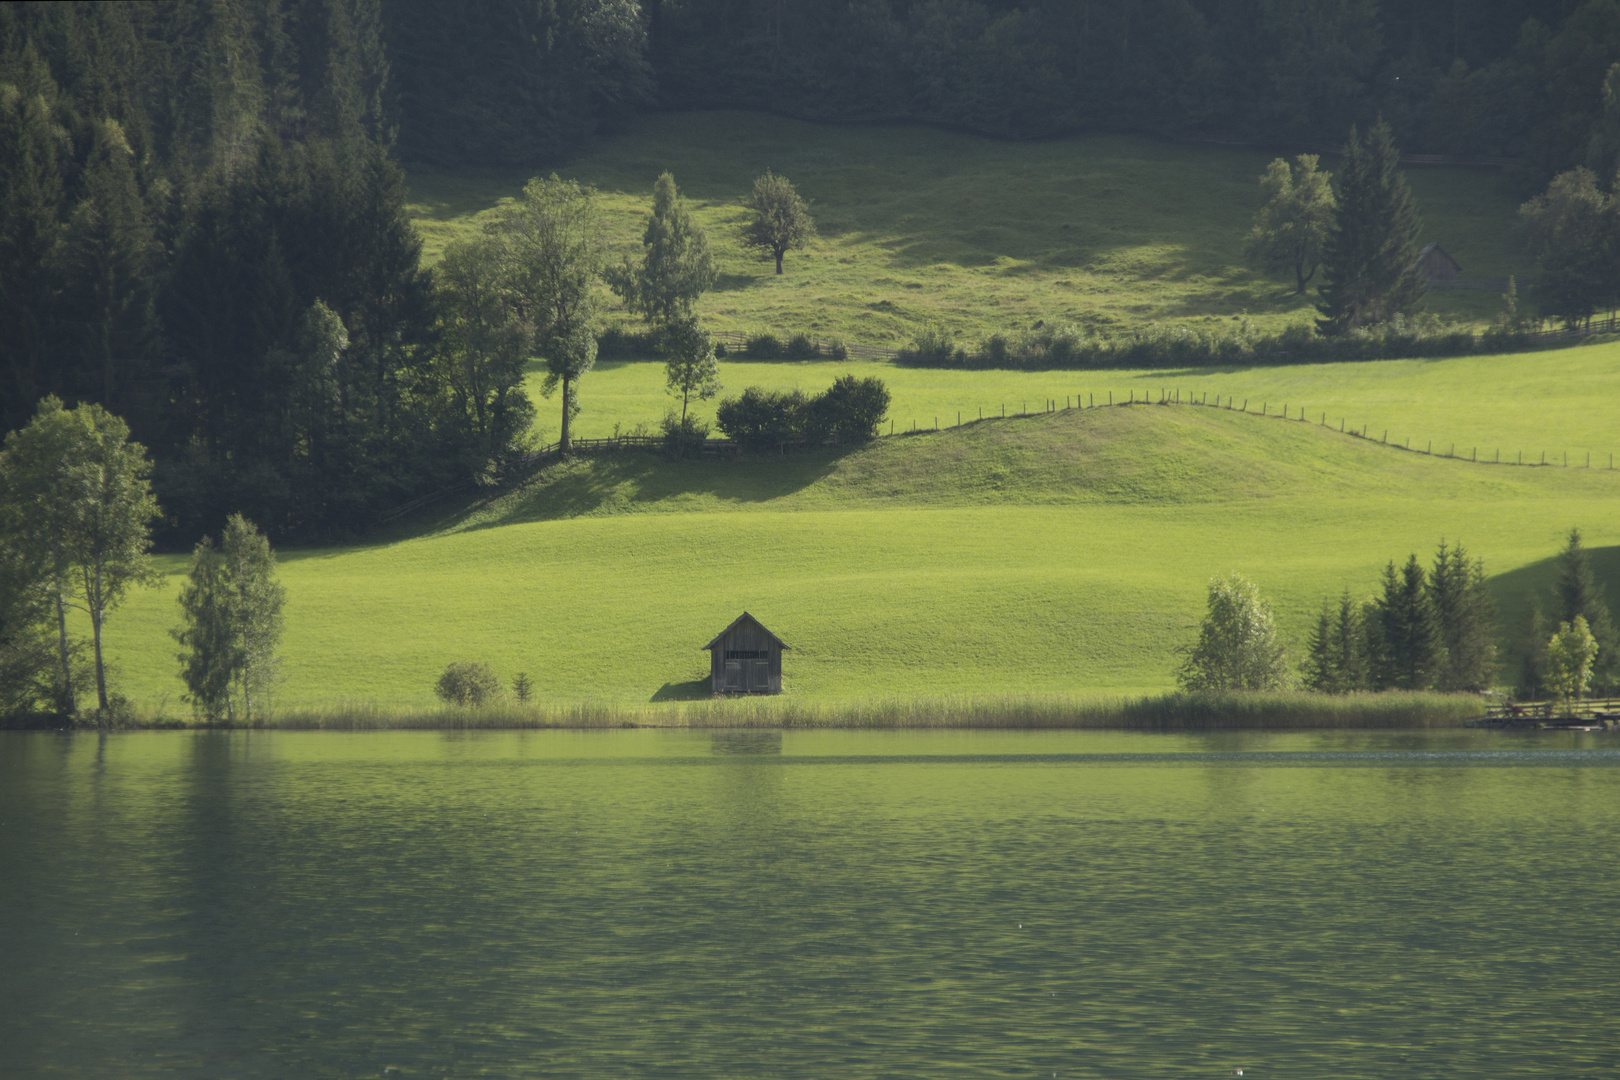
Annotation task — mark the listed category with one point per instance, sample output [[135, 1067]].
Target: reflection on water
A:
[[807, 905]]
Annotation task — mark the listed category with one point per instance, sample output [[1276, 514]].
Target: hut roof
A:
[[1435, 247], [739, 621]]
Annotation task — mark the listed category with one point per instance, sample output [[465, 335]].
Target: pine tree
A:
[[1407, 651], [30, 205], [108, 268], [1466, 615], [1578, 592], [1337, 662], [1370, 260], [1532, 650]]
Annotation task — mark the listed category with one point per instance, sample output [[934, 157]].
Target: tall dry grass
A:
[[1282, 711]]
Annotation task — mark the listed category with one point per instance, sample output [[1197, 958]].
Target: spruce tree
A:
[[1369, 263], [1465, 614], [1407, 649], [109, 264], [30, 205], [1577, 592]]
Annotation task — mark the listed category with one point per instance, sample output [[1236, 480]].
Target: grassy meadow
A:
[[1055, 559], [918, 225], [1056, 554], [1531, 403]]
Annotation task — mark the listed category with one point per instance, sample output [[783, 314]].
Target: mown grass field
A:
[[918, 225], [1061, 554], [1552, 402]]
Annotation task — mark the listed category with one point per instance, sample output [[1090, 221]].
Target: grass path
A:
[[1054, 554], [918, 225]]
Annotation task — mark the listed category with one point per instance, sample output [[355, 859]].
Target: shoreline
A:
[[1231, 711]]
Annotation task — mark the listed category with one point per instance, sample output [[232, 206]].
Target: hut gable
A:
[[1436, 264], [746, 658]]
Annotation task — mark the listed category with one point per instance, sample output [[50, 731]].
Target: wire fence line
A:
[[727, 448]]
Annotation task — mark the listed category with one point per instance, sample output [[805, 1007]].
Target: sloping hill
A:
[[919, 225], [1063, 552]]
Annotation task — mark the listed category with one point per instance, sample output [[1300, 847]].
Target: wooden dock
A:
[[1593, 714]]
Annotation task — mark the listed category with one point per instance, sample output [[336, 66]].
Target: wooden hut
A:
[[1437, 265], [746, 658]]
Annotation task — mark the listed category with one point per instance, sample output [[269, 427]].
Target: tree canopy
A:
[[778, 219], [1237, 646]]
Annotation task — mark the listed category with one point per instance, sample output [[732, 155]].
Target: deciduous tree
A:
[[551, 245], [779, 221], [690, 368], [82, 489], [1569, 660], [484, 344], [1237, 645], [1295, 221], [1577, 593]]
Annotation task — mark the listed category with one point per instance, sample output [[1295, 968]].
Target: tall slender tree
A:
[[82, 487], [676, 267], [551, 245], [1406, 647], [1369, 263], [1466, 618]]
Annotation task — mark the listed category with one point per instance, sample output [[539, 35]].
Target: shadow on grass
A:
[[631, 479], [691, 690]]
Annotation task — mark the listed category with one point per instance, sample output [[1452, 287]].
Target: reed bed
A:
[[1280, 711]]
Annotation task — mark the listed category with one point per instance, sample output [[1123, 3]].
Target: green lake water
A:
[[809, 905]]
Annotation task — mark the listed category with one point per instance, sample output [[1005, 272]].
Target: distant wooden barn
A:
[[1437, 265], [746, 658]]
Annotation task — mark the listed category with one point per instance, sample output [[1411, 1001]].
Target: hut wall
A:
[[746, 639]]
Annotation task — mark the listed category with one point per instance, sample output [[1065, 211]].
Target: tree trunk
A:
[[92, 602], [563, 444], [66, 701], [779, 255]]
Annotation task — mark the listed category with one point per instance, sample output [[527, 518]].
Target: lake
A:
[[809, 905]]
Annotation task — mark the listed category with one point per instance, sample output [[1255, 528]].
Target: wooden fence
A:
[[1589, 713]]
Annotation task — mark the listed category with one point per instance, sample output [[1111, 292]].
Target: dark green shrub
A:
[[468, 684], [934, 347], [618, 343], [761, 419], [683, 435], [802, 347], [763, 347], [850, 410], [836, 350]]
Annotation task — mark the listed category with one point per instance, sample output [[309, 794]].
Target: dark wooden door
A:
[[760, 676]]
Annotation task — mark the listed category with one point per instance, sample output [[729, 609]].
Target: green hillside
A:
[[1055, 553], [1548, 402], [919, 225]]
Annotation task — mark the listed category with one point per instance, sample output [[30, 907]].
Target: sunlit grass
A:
[[1531, 404], [918, 225], [1051, 555]]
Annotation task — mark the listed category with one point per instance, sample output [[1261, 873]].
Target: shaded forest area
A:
[[202, 223], [519, 81]]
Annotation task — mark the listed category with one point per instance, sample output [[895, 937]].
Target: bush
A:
[[763, 347], [761, 418], [683, 435], [1064, 347], [850, 410], [618, 343], [468, 684], [802, 347], [836, 350], [934, 347]]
